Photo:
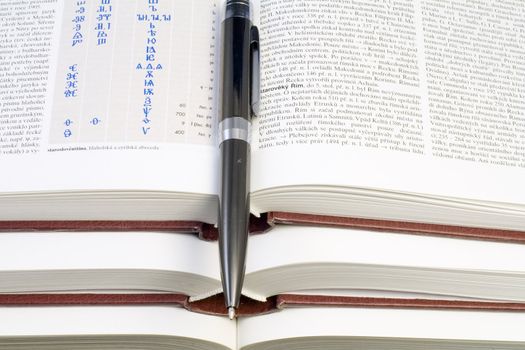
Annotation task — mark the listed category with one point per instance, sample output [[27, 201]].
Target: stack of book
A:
[[327, 287], [387, 166]]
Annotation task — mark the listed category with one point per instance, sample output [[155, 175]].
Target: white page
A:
[[113, 320], [398, 262], [104, 118], [104, 250], [55, 252], [372, 89], [288, 245], [383, 323]]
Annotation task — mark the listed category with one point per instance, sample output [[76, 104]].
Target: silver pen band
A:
[[238, 8], [235, 128]]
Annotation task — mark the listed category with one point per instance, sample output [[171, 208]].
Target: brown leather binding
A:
[[99, 225], [264, 223], [207, 232], [293, 300], [91, 299], [213, 305], [397, 226], [202, 230], [248, 307]]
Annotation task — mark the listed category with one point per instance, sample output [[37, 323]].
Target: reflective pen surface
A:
[[235, 112]]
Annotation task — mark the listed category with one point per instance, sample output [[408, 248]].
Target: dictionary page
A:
[[408, 96], [107, 95]]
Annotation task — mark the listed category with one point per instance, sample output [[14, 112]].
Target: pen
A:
[[239, 100]]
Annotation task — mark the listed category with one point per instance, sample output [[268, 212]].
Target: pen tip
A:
[[231, 312]]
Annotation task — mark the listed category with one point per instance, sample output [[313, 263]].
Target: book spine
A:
[[276, 218], [214, 305]]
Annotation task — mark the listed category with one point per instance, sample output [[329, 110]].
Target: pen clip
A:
[[255, 71]]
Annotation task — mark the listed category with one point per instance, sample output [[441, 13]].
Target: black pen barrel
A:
[[234, 217], [234, 136], [236, 68]]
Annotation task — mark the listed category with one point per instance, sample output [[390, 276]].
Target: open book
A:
[[308, 261], [317, 328], [411, 111]]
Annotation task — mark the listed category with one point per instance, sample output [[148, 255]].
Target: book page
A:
[[115, 325], [324, 259], [108, 262], [124, 84], [417, 96], [410, 326], [292, 245]]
